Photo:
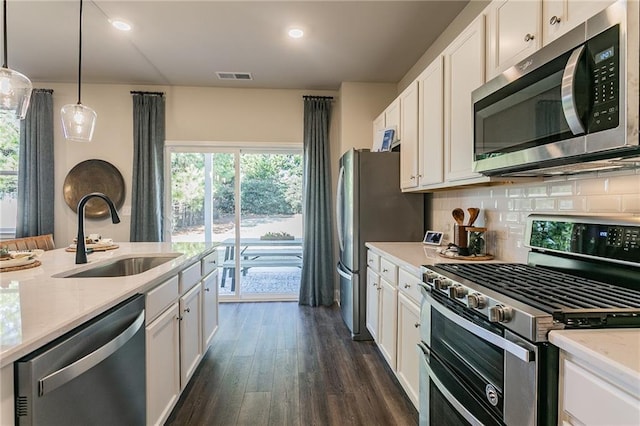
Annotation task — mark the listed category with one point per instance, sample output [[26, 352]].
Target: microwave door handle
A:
[[568, 92], [516, 350]]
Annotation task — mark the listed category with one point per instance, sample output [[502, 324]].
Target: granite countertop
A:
[[36, 307], [614, 352]]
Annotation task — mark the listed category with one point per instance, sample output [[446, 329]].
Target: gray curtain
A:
[[317, 282], [148, 162], [35, 168]]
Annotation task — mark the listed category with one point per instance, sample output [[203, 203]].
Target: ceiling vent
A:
[[234, 75]]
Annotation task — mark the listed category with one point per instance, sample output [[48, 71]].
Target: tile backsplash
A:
[[504, 208]]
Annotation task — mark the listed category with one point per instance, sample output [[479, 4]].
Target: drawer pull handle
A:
[[206, 289], [416, 325], [385, 270], [187, 310], [529, 37], [407, 286], [554, 20]]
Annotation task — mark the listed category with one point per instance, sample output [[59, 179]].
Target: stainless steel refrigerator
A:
[[370, 207]]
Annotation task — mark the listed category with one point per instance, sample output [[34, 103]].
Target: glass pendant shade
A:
[[78, 122], [15, 92]]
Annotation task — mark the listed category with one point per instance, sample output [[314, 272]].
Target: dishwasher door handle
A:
[[71, 371]]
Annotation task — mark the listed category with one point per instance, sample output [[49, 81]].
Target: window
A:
[[9, 151]]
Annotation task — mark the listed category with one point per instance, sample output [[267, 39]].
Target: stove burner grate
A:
[[551, 291]]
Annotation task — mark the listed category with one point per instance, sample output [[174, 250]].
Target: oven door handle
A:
[[460, 408], [522, 353]]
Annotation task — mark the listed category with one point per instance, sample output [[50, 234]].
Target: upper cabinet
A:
[[560, 16], [430, 124], [388, 119], [464, 68], [513, 33], [409, 149]]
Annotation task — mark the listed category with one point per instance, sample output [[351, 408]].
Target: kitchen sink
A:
[[122, 267]]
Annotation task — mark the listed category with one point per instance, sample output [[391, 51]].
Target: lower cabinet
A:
[[387, 321], [408, 362], [163, 365], [181, 320], [190, 333], [393, 319]]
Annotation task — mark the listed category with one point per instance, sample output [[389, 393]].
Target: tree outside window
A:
[[9, 151]]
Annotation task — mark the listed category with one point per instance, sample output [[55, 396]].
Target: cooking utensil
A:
[[473, 215], [458, 215]]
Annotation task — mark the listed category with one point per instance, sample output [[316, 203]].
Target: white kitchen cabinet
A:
[[409, 158], [190, 333], [408, 361], [464, 64], [588, 397], [163, 365], [373, 302], [209, 309], [561, 16], [388, 320], [513, 33], [392, 118], [378, 129], [430, 124]]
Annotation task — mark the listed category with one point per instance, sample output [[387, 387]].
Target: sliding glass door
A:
[[250, 201]]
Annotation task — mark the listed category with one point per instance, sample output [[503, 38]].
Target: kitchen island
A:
[[38, 305]]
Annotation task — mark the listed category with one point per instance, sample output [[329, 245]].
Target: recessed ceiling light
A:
[[296, 33], [121, 25]]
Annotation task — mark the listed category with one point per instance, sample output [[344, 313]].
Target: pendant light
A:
[[78, 121], [15, 88]]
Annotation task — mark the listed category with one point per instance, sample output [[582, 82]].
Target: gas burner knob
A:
[[476, 300], [457, 292], [500, 313], [442, 283], [428, 276]]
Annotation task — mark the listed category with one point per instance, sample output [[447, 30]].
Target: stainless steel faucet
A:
[[81, 250]]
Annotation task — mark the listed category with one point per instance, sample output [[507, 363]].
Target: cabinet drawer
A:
[[389, 271], [409, 285], [160, 298], [209, 263], [373, 261], [189, 277], [586, 395]]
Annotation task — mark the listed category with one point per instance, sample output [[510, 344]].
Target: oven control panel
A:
[[492, 309]]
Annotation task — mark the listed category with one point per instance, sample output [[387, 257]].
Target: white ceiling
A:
[[186, 42]]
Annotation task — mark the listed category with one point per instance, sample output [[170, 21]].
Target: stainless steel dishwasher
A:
[[93, 375]]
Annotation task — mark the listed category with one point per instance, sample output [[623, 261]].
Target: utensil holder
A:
[[460, 235]]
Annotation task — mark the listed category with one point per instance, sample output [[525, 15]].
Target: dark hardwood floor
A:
[[283, 364]]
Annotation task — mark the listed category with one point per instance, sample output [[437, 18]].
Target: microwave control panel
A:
[[604, 65]]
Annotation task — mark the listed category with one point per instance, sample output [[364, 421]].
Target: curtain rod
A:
[[316, 97], [135, 92]]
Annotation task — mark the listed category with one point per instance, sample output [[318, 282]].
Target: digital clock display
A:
[[604, 55]]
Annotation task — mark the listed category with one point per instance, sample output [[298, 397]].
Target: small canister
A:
[[460, 235], [477, 241]]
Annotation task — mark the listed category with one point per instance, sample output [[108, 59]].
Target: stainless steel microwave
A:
[[572, 106]]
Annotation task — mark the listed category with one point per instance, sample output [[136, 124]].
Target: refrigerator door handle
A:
[[342, 273], [339, 203]]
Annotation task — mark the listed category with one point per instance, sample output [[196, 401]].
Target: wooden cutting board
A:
[[100, 248]]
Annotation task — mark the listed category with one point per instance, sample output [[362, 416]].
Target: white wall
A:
[[192, 114]]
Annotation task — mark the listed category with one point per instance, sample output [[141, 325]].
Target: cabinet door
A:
[[163, 365], [190, 333], [409, 124], [561, 16], [392, 118], [408, 337], [513, 28], [388, 320], [373, 292], [430, 124], [464, 72], [209, 309]]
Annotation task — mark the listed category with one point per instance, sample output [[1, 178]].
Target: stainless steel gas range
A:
[[484, 326]]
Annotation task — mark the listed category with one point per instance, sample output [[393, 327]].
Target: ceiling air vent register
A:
[[234, 75]]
